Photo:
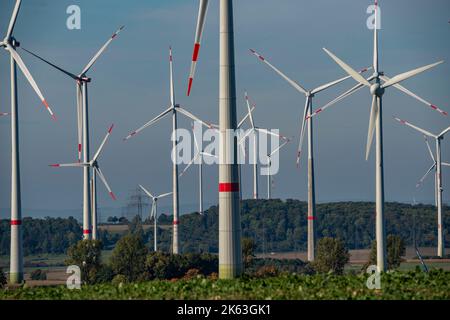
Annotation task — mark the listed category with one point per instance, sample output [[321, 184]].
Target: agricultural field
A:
[[398, 285]]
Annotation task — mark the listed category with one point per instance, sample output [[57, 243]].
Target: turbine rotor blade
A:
[[293, 83], [192, 117], [102, 177], [79, 119], [411, 94], [29, 77], [197, 42], [100, 52], [147, 192], [302, 130], [406, 123], [151, 122], [425, 176], [13, 20], [406, 75], [164, 195], [335, 82], [78, 164], [71, 75], [97, 154], [247, 100], [354, 74], [443, 133], [374, 114], [429, 148], [245, 118], [190, 164]]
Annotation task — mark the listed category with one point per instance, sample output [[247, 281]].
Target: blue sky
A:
[[130, 86]]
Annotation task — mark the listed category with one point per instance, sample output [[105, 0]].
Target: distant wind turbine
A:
[[377, 90], [82, 81], [307, 122], [154, 213], [173, 109], [96, 171], [437, 167], [10, 44], [198, 158]]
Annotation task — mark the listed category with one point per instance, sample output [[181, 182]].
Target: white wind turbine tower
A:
[[377, 89], [154, 212], [198, 159], [307, 122], [10, 44], [437, 167], [269, 163], [82, 81], [253, 131], [173, 109], [230, 249], [96, 171]]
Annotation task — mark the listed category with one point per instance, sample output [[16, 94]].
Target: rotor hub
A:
[[376, 90]]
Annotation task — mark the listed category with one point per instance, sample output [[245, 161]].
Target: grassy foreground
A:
[[399, 285]]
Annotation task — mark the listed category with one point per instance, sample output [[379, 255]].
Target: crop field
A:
[[397, 285]]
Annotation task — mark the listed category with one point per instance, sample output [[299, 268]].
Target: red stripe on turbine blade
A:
[[189, 86], [196, 52], [87, 231], [229, 187], [110, 128], [55, 165], [79, 147], [433, 107], [16, 222], [113, 196], [318, 111]]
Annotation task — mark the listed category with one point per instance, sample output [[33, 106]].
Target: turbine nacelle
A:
[[376, 90]]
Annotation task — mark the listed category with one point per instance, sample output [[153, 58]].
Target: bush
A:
[[266, 271], [119, 279], [105, 274], [161, 265], [86, 254], [248, 249], [3, 280], [129, 256], [38, 274], [395, 249], [192, 273], [332, 256]]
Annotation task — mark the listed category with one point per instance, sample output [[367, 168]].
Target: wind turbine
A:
[[198, 158], [377, 90], [154, 212], [437, 166], [230, 249], [269, 163], [10, 44], [253, 131], [307, 122], [4, 114], [173, 109], [82, 81], [96, 171]]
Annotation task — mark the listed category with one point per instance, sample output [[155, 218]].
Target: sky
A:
[[131, 85]]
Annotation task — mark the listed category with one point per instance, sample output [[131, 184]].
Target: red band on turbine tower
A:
[[311, 218], [16, 222], [228, 187], [87, 232], [176, 222]]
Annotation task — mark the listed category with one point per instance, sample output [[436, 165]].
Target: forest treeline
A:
[[274, 225]]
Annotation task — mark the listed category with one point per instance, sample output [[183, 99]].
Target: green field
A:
[[398, 285]]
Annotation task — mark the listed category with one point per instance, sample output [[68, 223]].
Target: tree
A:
[[395, 247], [38, 274], [331, 256], [395, 251], [248, 249], [86, 254], [128, 257]]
